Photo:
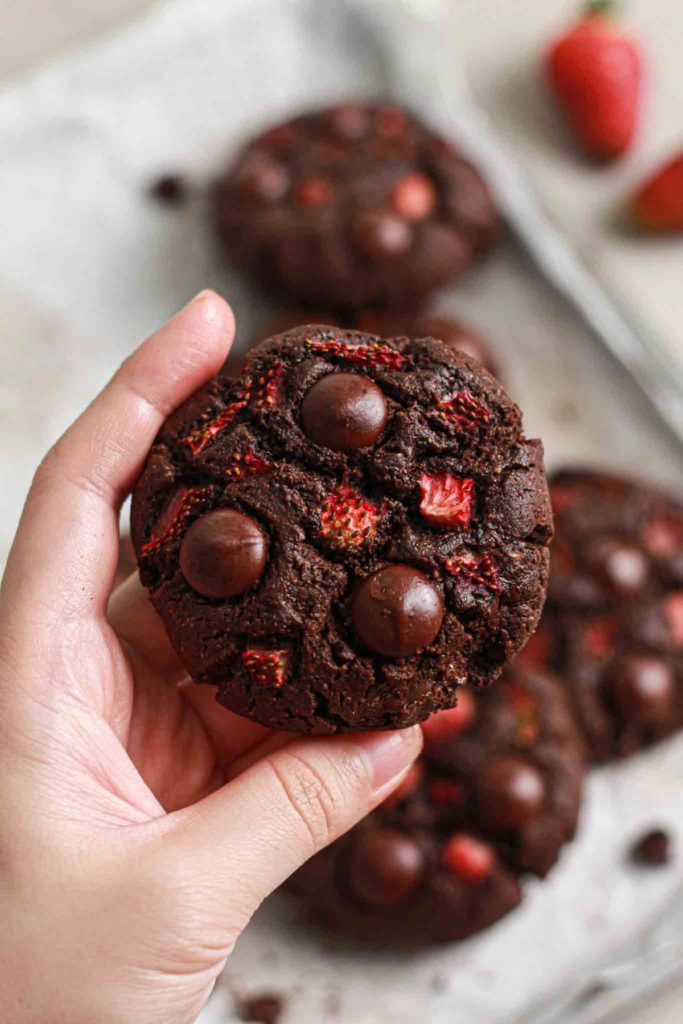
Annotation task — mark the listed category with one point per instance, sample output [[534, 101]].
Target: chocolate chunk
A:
[[619, 566], [344, 411], [170, 189], [384, 866], [652, 848], [397, 611], [382, 234], [223, 553], [510, 792], [263, 1009], [644, 687]]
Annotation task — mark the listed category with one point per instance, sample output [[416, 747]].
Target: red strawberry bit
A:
[[673, 609], [205, 432], [280, 137], [348, 519], [246, 464], [664, 536], [468, 858], [536, 652], [599, 637], [175, 514], [446, 725], [446, 500], [446, 792], [377, 355], [266, 667], [407, 786], [313, 192], [564, 496], [391, 122], [463, 410], [525, 711], [266, 388], [414, 196], [481, 571], [658, 203]]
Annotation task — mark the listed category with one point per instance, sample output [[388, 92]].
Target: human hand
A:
[[141, 824]]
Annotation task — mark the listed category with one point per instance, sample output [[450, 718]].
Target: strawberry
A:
[[264, 389], [463, 410], [446, 725], [247, 463], [205, 432], [173, 517], [266, 667], [377, 354], [658, 203], [468, 858], [595, 71], [481, 571], [446, 500], [445, 792], [525, 712], [673, 609], [599, 637], [348, 519]]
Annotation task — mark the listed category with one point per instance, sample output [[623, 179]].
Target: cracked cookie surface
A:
[[347, 533]]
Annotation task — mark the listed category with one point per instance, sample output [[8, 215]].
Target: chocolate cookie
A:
[[495, 796], [614, 622], [353, 207], [342, 537], [453, 333]]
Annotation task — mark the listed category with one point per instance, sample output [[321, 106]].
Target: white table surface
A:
[[498, 40]]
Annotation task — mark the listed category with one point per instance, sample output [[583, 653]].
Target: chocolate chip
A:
[[652, 848], [263, 1009], [382, 234], [510, 791], [223, 553], [384, 866], [643, 687], [619, 566], [350, 122], [262, 180], [396, 611], [170, 189], [344, 411], [414, 196]]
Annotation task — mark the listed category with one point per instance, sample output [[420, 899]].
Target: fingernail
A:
[[388, 754], [204, 294]]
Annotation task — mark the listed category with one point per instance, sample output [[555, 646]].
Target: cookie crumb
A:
[[263, 1009], [652, 848], [170, 189]]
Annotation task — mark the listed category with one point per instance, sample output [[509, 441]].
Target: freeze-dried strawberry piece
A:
[[599, 637], [468, 858], [173, 517], [266, 667], [446, 792], [664, 536], [348, 519], [445, 725], [248, 463], [481, 571], [525, 710], [446, 500], [463, 410], [673, 609], [205, 432], [377, 354], [266, 387]]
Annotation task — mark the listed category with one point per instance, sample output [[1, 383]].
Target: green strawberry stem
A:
[[599, 7]]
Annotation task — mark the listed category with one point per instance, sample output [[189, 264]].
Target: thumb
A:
[[249, 836]]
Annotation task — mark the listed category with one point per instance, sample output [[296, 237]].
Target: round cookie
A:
[[494, 797], [396, 531], [323, 216], [613, 627]]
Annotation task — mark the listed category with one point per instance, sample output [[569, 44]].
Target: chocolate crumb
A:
[[652, 848], [263, 1009], [170, 189]]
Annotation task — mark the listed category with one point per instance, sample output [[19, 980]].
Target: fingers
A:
[[132, 617], [254, 832], [67, 540]]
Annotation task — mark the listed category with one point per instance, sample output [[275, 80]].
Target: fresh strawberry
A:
[[481, 571], [348, 519], [407, 786], [377, 355], [595, 70], [205, 432], [247, 463], [446, 500], [173, 517], [463, 410], [445, 725], [468, 858], [265, 388], [445, 792], [266, 667], [658, 203]]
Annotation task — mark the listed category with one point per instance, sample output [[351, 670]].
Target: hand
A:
[[140, 823]]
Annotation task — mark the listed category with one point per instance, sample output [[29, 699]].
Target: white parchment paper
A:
[[88, 265]]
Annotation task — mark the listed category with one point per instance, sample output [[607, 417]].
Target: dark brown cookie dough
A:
[[344, 220], [454, 333], [495, 796], [613, 627], [376, 549]]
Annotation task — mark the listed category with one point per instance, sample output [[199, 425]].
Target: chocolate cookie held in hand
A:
[[353, 207], [494, 797], [342, 537]]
